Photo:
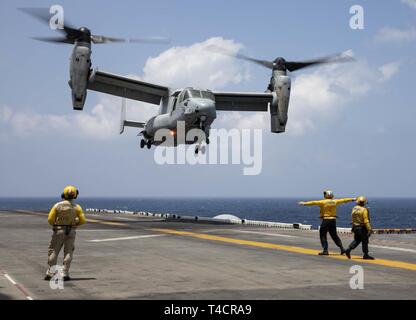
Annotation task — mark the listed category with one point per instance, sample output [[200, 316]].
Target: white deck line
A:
[[128, 238], [19, 287], [392, 248]]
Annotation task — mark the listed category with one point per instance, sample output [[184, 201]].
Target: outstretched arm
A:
[[344, 200], [311, 203]]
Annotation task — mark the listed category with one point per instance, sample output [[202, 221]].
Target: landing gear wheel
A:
[[207, 140], [196, 149], [203, 149], [149, 144], [142, 143]]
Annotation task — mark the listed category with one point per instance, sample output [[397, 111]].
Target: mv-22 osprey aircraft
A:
[[195, 107]]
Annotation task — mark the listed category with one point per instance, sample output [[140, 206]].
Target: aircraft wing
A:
[[127, 87], [242, 101]]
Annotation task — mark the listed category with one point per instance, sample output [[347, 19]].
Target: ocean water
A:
[[384, 212]]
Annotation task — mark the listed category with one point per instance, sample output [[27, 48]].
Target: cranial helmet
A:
[[70, 193], [361, 200], [328, 194]]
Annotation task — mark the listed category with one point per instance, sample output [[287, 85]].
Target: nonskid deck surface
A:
[[129, 257]]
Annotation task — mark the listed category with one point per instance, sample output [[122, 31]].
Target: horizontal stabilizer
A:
[[134, 124], [124, 122]]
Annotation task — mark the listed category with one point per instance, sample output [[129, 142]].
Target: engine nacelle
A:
[[80, 66], [280, 106]]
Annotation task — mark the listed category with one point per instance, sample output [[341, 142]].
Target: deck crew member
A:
[[360, 227], [328, 214], [64, 217]]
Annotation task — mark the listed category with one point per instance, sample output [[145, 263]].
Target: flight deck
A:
[[120, 256]]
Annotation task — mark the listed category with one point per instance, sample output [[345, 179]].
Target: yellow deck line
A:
[[110, 223], [380, 262]]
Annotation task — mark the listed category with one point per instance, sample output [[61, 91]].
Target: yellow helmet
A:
[[328, 194], [70, 193], [361, 200]]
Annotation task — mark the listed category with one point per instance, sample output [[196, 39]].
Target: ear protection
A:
[[66, 197], [328, 193]]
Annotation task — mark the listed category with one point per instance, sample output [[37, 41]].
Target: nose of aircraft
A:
[[201, 107]]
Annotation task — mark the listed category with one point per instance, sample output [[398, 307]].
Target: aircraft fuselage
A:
[[196, 108]]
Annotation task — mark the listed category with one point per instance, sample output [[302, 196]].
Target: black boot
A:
[[47, 277], [67, 278], [343, 251], [348, 253], [368, 257], [324, 253]]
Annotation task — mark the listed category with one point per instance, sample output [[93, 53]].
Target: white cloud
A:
[[388, 70], [5, 113], [194, 65], [410, 3], [389, 34], [24, 124], [319, 97]]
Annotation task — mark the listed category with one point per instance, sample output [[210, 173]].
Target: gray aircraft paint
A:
[[79, 72]]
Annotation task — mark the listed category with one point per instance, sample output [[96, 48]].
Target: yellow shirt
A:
[[361, 217], [328, 207], [66, 213]]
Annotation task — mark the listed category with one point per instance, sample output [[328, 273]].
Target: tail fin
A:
[[123, 114], [124, 122]]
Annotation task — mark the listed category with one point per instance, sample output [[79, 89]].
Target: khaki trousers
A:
[[59, 239]]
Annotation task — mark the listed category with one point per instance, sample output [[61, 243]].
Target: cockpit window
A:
[[192, 93], [195, 93], [208, 95], [183, 95]]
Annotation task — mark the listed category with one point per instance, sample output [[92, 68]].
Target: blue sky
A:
[[351, 127]]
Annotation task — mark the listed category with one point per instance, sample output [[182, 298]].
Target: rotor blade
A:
[[103, 39], [54, 39], [264, 63], [341, 57], [41, 14], [161, 40], [45, 16]]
